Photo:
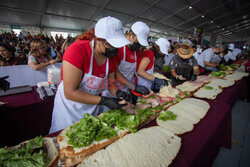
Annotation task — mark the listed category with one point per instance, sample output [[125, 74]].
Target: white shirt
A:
[[209, 56], [236, 52], [229, 56], [168, 58], [200, 59]]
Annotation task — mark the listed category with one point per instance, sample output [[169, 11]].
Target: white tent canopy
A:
[[228, 19]]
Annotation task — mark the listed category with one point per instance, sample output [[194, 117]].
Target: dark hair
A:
[[6, 46], [225, 51]]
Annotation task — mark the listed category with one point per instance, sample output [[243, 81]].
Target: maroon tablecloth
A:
[[25, 116], [199, 147]]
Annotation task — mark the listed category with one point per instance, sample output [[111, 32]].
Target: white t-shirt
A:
[[236, 52], [229, 56], [200, 59], [209, 56]]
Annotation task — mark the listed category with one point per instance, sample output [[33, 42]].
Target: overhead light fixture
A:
[[202, 16], [212, 21], [218, 26], [190, 7], [223, 29]]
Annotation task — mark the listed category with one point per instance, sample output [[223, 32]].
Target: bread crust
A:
[[70, 157]]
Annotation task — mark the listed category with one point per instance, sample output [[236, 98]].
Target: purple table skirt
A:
[[25, 116]]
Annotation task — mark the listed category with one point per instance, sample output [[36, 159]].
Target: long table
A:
[[25, 116], [201, 146]]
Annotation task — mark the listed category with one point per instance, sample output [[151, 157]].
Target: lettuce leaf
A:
[[31, 154], [167, 115], [223, 67], [87, 130], [208, 87], [121, 119], [144, 114], [217, 74], [186, 93], [234, 67]]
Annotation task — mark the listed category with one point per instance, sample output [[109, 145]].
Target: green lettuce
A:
[[121, 119], [31, 154], [87, 130], [141, 101], [144, 114], [223, 67], [208, 87], [166, 68], [167, 115], [233, 66], [178, 98], [186, 93], [218, 74]]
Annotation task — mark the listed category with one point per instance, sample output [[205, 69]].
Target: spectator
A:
[[8, 56], [38, 59]]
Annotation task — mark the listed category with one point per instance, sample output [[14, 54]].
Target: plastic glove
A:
[[112, 103], [141, 89], [193, 78], [123, 95], [160, 82]]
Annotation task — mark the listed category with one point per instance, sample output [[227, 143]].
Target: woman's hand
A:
[[112, 103], [52, 61], [123, 95]]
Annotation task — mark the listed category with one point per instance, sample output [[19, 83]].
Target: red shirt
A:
[[79, 55], [130, 57], [149, 54]]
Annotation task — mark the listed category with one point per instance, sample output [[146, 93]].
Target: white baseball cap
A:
[[111, 29], [141, 30], [163, 44], [231, 46]]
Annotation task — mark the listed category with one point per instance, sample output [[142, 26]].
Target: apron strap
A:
[[124, 54], [91, 60], [107, 67]]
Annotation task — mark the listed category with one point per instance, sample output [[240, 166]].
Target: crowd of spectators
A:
[[33, 50]]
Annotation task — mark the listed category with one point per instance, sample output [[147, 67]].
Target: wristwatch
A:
[[177, 77]]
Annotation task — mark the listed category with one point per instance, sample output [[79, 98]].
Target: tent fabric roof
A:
[[226, 18]]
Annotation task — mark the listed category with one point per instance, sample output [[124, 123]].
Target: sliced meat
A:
[[130, 108], [143, 106], [154, 102]]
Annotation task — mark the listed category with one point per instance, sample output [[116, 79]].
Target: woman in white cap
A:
[[184, 66], [88, 69], [127, 58], [145, 66]]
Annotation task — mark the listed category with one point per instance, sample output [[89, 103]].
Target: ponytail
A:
[[89, 35]]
